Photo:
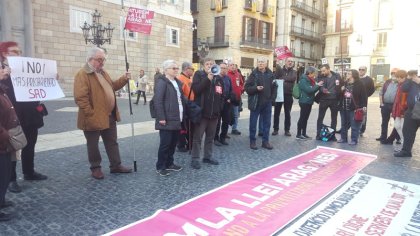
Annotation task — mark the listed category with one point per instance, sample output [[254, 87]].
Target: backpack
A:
[[326, 133]]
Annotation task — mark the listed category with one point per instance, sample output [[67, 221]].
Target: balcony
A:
[[343, 51], [305, 9], [268, 10], [346, 28], [218, 42], [257, 43], [306, 34], [380, 50]]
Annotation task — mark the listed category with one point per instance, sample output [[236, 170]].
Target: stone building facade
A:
[[50, 29]]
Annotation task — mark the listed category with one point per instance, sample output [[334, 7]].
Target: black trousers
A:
[[28, 152], [185, 135], [323, 106], [168, 140], [410, 128], [386, 110], [305, 112], [139, 93], [288, 103], [224, 121], [5, 169]]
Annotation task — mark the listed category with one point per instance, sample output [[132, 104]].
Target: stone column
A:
[[28, 28]]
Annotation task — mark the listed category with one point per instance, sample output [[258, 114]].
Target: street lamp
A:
[[202, 49], [95, 33]]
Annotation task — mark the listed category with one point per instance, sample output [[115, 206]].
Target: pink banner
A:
[[283, 52], [260, 203], [139, 20]]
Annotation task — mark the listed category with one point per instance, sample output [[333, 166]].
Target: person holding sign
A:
[[30, 117], [94, 93]]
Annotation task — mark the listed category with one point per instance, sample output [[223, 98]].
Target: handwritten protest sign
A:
[[34, 79]]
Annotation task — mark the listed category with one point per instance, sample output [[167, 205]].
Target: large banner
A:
[[366, 205], [139, 20], [260, 203], [34, 79]]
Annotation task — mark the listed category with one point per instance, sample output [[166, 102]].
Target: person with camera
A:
[[208, 92], [354, 97], [262, 90], [30, 115]]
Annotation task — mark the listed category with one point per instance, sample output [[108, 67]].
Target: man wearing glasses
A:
[[94, 93], [370, 89]]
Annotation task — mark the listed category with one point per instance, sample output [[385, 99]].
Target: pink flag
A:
[[139, 20], [283, 52]]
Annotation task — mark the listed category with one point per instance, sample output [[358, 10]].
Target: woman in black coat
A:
[[169, 107], [353, 97]]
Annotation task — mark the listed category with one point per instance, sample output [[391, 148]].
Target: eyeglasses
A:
[[362, 69], [191, 69], [175, 68], [100, 60]]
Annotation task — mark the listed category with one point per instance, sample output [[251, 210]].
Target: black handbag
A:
[[416, 111], [252, 102]]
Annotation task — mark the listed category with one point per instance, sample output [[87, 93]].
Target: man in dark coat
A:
[[370, 89]]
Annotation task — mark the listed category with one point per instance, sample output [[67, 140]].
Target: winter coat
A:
[[166, 104], [89, 96], [8, 120], [333, 84], [359, 96], [289, 76], [307, 90], [208, 94], [400, 103], [266, 79], [413, 90], [237, 82], [27, 112], [186, 86]]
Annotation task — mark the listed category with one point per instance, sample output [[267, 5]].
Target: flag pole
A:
[[129, 94]]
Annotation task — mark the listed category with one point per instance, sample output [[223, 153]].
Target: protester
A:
[[185, 138], [168, 101], [411, 125], [289, 77], [208, 91], [8, 120], [386, 99], [226, 114], [29, 116], [141, 87], [237, 82], [94, 93], [400, 104], [308, 88], [330, 96], [260, 83], [370, 89], [354, 97]]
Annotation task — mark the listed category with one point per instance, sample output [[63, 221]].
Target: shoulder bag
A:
[[17, 138], [296, 91], [416, 111]]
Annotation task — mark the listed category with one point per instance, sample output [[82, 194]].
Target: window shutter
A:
[[337, 21]]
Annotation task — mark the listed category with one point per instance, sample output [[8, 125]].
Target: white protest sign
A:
[[34, 79], [280, 95], [324, 61]]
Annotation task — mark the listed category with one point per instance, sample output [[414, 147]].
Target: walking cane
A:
[[129, 95]]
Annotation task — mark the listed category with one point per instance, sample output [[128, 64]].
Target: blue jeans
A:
[[235, 117], [347, 120], [264, 113]]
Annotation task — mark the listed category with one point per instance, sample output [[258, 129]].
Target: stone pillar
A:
[[28, 28]]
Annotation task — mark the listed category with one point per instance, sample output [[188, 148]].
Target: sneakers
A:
[[275, 132], [97, 173], [235, 132], [287, 133], [380, 139], [300, 137], [402, 153], [35, 176], [267, 145], [217, 143], [253, 145], [352, 143], [174, 167], [398, 141], [210, 161], [195, 164], [306, 136], [163, 172], [14, 187], [386, 142], [342, 141]]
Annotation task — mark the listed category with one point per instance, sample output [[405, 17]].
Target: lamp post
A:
[[95, 33], [202, 49]]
